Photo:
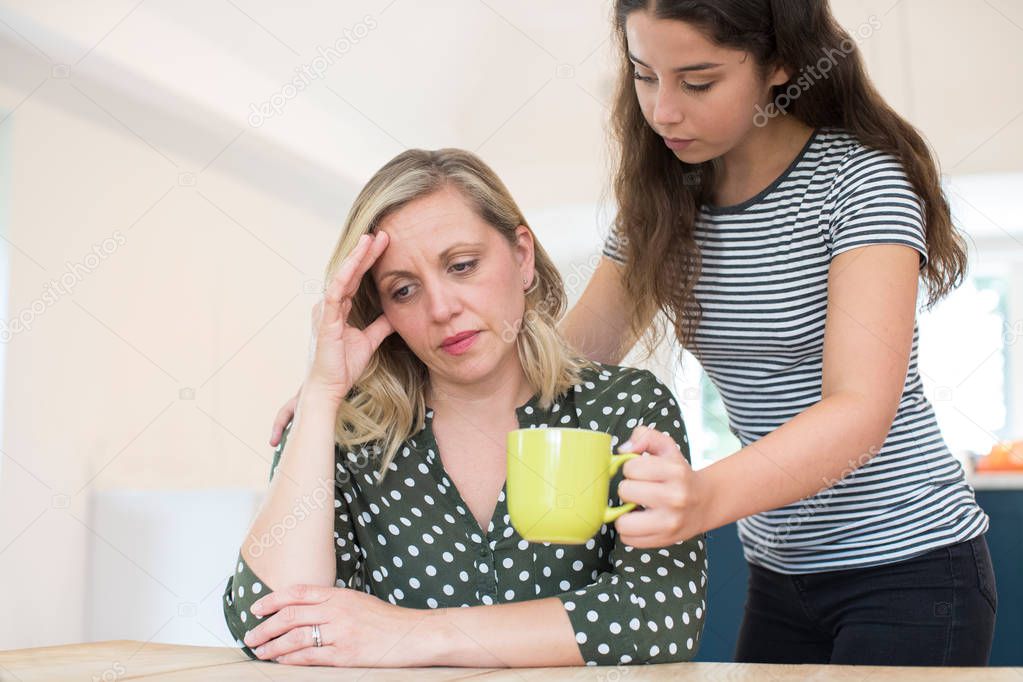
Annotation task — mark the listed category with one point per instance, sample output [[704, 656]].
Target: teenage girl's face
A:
[[692, 89]]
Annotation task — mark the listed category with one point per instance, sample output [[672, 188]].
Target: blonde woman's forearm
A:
[[291, 539], [535, 633]]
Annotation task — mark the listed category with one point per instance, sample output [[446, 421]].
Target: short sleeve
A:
[[244, 587], [650, 607], [615, 245], [873, 202]]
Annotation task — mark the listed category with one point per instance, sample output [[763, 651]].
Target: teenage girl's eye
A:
[[696, 88], [689, 87], [464, 266]]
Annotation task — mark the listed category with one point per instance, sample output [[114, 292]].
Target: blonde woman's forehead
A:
[[433, 235], [430, 217], [430, 239]]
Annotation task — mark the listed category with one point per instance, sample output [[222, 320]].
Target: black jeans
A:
[[935, 609]]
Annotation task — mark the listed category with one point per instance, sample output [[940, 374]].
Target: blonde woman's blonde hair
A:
[[387, 405]]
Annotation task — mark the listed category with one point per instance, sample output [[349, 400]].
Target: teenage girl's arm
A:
[[868, 336], [597, 325]]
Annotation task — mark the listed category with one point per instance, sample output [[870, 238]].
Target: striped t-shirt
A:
[[763, 288]]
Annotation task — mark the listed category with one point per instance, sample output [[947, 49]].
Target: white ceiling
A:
[[523, 82]]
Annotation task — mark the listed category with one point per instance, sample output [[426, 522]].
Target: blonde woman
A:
[[384, 539]]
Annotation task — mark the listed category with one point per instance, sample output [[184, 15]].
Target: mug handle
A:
[[612, 513]]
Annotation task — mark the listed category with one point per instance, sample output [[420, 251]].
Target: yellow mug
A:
[[558, 483]]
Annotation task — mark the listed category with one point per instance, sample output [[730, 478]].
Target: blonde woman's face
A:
[[692, 89], [445, 273]]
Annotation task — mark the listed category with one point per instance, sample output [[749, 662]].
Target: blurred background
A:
[[173, 176]]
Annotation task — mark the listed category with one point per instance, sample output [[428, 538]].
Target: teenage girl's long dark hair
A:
[[659, 196]]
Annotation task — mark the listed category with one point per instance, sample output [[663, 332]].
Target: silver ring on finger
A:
[[317, 640]]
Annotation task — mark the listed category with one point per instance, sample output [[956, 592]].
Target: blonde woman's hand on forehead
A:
[[341, 352]]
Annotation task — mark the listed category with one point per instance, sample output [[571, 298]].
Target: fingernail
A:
[[259, 650], [625, 447]]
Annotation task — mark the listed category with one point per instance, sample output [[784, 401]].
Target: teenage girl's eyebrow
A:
[[702, 66]]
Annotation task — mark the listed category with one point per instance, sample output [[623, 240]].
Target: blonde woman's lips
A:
[[461, 343]]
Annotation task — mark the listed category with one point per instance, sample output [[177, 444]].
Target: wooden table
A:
[[128, 660]]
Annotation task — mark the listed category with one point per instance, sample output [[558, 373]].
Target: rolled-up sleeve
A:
[[243, 589], [651, 606], [649, 609]]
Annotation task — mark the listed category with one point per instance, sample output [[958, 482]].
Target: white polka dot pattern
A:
[[410, 540]]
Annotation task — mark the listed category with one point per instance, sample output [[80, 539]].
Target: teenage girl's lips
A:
[[677, 144], [460, 343]]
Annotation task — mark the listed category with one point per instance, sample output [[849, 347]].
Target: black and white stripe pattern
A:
[[763, 288]]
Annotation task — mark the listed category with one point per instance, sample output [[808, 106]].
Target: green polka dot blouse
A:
[[410, 539]]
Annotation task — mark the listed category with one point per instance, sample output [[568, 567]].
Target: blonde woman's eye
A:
[[464, 266], [645, 79], [398, 296]]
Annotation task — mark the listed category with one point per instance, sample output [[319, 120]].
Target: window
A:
[[965, 345], [971, 343], [706, 420]]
